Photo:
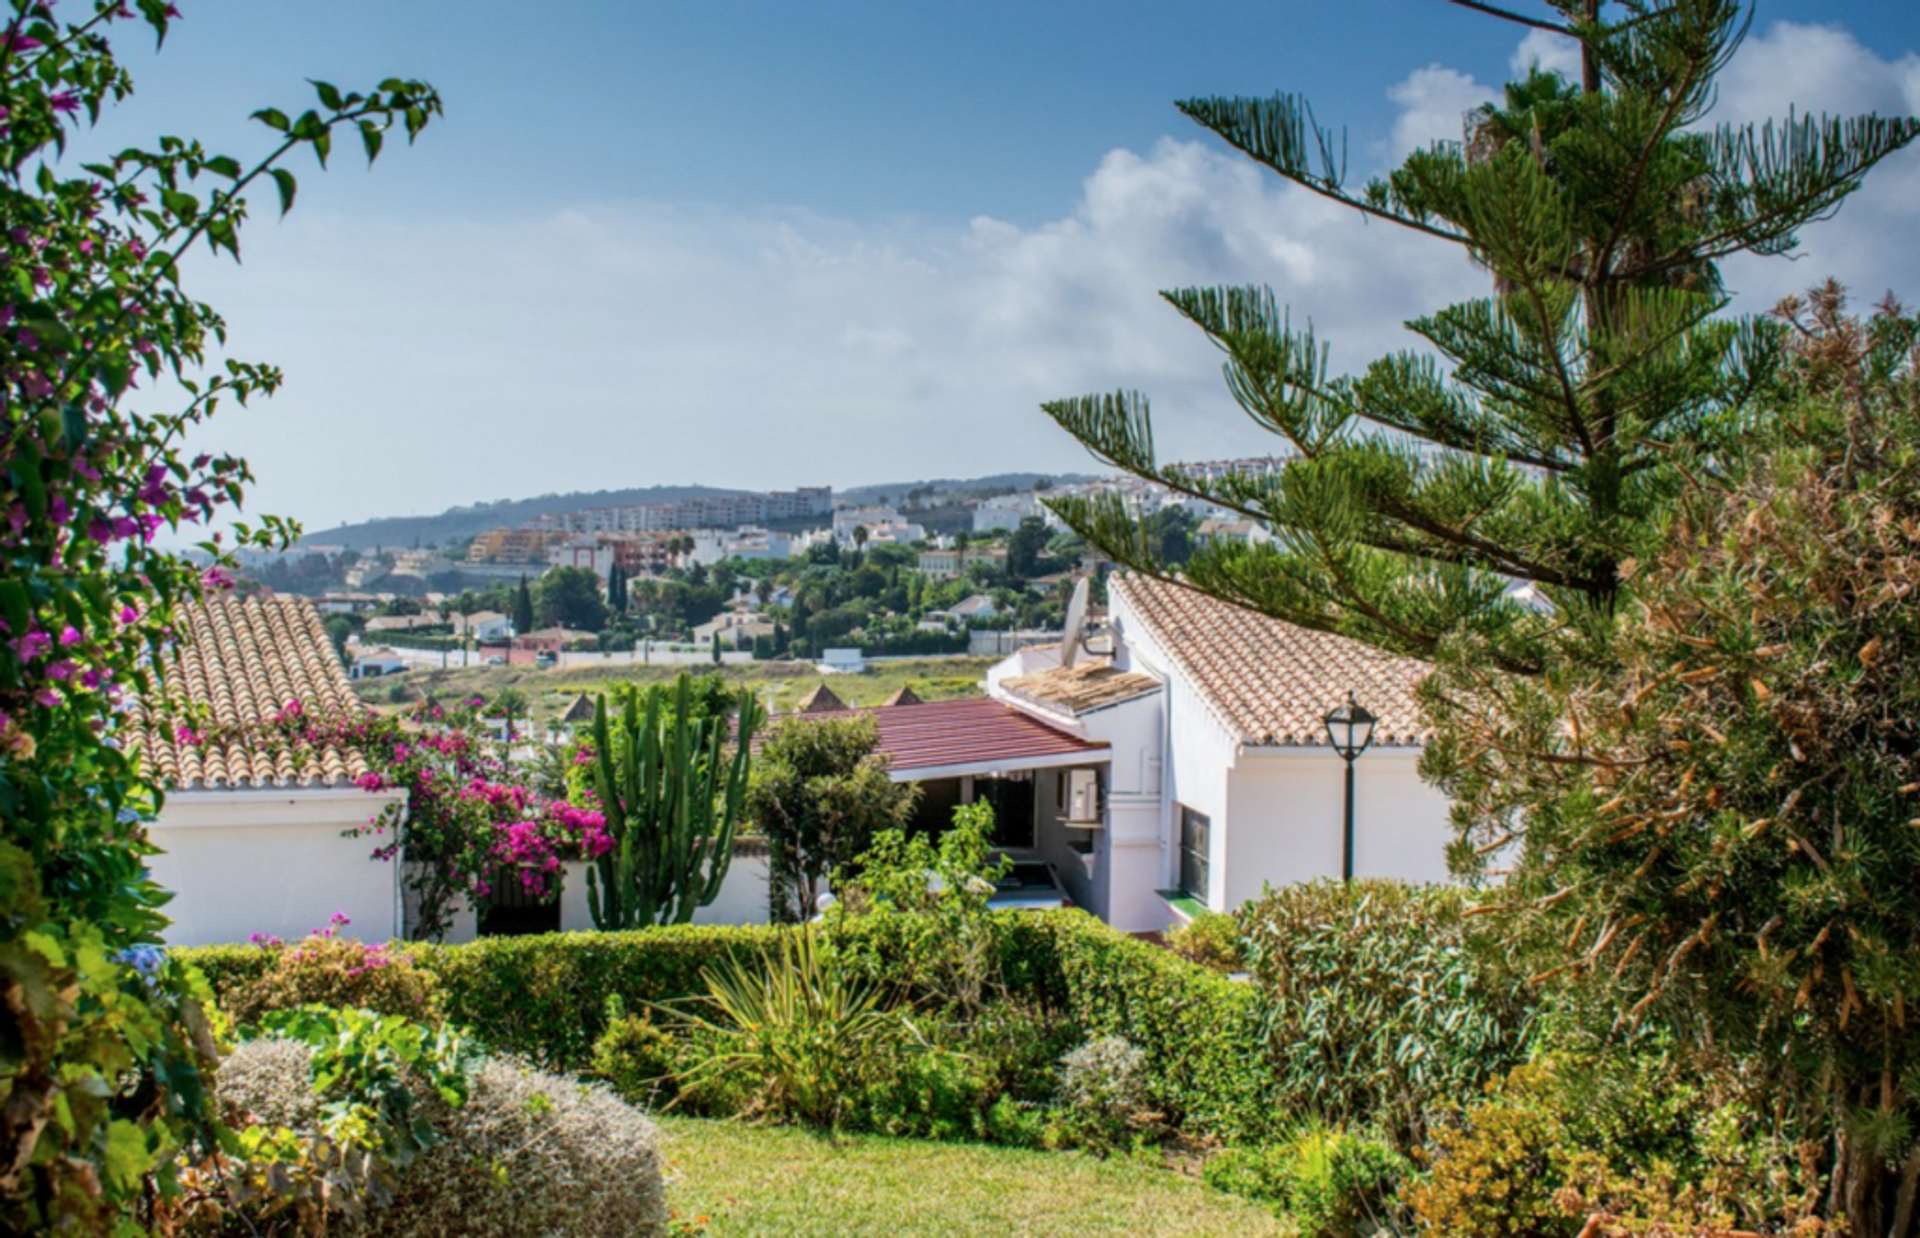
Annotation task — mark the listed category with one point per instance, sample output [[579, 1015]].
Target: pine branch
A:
[[1505, 15], [1276, 133]]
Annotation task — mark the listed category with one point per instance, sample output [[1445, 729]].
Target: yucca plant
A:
[[673, 791], [797, 1020]]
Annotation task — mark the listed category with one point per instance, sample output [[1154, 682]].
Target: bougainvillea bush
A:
[[102, 1052]]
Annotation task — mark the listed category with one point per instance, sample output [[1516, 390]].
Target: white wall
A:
[[1286, 814], [742, 898], [241, 862]]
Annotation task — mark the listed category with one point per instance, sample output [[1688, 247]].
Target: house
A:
[[483, 625], [951, 562], [736, 629], [371, 662], [979, 606], [251, 833], [403, 623], [1221, 778]]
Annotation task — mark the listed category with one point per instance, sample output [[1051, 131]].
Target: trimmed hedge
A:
[[1203, 1034], [544, 997]]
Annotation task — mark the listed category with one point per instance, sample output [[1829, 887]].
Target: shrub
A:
[[1202, 1034], [1620, 1133], [1330, 1182], [636, 1058], [1211, 939], [532, 1154], [543, 997], [528, 1154], [1103, 1092], [797, 1023], [329, 970], [1379, 1004]]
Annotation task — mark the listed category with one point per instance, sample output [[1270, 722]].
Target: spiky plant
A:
[[673, 791]]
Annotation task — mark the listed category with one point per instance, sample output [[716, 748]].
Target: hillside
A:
[[896, 491], [400, 532]]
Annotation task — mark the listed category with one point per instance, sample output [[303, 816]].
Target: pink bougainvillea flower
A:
[[70, 636]]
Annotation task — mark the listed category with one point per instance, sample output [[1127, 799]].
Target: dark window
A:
[[1196, 833], [511, 910]]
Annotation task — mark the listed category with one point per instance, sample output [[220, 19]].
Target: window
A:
[[1196, 837]]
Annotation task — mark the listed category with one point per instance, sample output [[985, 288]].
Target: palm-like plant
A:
[[795, 1019]]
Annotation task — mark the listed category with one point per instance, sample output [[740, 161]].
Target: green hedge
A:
[[1202, 1033], [545, 997]]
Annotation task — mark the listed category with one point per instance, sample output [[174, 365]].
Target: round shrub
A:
[[1103, 1090], [1331, 1182], [269, 1081], [532, 1154], [330, 970], [637, 1059], [528, 1155]]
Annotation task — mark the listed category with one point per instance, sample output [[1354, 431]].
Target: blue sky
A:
[[768, 244]]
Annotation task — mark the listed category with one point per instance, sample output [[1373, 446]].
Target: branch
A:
[[1504, 15]]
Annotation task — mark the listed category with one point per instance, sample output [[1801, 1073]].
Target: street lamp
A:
[[1349, 730]]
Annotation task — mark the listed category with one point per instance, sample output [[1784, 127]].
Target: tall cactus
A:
[[672, 797]]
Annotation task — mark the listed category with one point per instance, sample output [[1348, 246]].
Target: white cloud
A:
[[1555, 53], [441, 361], [1434, 103]]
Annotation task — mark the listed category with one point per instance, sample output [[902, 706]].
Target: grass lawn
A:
[[781, 684], [779, 1182]]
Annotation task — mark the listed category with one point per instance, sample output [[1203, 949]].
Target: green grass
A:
[[781, 684], [780, 1182]]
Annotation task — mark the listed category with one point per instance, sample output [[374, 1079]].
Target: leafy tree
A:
[[1170, 534], [104, 1049], [821, 791], [570, 597], [1545, 435], [522, 608], [1716, 832], [1025, 546]]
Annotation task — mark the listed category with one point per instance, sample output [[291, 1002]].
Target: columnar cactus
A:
[[672, 794]]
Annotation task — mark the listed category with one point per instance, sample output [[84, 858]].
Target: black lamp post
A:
[[1349, 730]]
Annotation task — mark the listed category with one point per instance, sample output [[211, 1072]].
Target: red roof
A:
[[937, 738]]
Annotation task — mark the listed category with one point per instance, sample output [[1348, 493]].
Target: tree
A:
[[821, 791], [1716, 833], [617, 589], [1025, 546], [522, 609], [1547, 438], [570, 597], [672, 785], [104, 1047]]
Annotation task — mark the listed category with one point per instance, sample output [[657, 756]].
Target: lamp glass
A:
[[1350, 728]]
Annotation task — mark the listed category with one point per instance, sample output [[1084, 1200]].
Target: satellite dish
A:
[[1076, 629]]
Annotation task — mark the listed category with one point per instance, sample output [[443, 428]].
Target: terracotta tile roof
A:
[[242, 661], [1271, 681], [974, 732], [904, 696], [1082, 687], [582, 710]]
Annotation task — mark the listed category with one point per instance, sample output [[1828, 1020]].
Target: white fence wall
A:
[[241, 862]]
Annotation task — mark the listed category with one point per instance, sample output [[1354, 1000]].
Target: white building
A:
[[1221, 778], [1007, 511], [251, 835]]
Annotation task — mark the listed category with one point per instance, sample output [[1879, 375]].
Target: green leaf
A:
[[329, 95], [284, 182], [273, 118]]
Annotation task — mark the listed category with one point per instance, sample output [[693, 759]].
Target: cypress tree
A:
[[1543, 434], [522, 609]]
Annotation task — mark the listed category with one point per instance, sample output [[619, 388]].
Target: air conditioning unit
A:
[[1083, 799]]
